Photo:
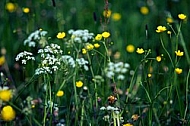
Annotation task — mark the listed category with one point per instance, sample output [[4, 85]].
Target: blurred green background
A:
[[129, 28]]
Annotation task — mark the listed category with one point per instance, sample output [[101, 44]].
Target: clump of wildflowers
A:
[[80, 35], [116, 70], [34, 37], [24, 56]]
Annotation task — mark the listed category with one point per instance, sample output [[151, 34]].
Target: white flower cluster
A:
[[25, 56], [81, 35], [33, 37], [116, 70], [52, 59], [82, 63], [68, 60], [109, 108]]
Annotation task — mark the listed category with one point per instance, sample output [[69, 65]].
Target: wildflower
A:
[[117, 55], [60, 93], [130, 48], [182, 16], [169, 32], [169, 20], [89, 46], [11, 7], [107, 13], [140, 50], [98, 37], [161, 29], [105, 34], [116, 16], [84, 51], [178, 70], [26, 10], [179, 53], [5, 94], [25, 56], [144, 10], [7, 113], [61, 35], [82, 63], [135, 117], [112, 99], [2, 60], [79, 84], [158, 58], [96, 45], [128, 124], [149, 75]]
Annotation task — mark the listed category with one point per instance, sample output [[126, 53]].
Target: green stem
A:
[[186, 94], [167, 52], [82, 114]]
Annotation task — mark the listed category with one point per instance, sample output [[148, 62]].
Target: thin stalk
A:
[[82, 114], [167, 52], [75, 95], [186, 95]]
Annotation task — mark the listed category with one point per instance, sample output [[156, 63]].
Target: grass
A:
[[90, 75]]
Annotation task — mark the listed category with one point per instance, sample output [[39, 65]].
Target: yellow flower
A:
[[179, 53], [178, 70], [169, 32], [105, 34], [84, 51], [79, 84], [89, 46], [11, 7], [161, 29], [2, 60], [98, 37], [169, 20], [5, 95], [61, 35], [127, 124], [140, 50], [149, 75], [158, 58], [60, 93], [107, 13], [182, 16], [130, 48], [96, 45], [116, 16], [7, 113], [25, 9], [144, 10]]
